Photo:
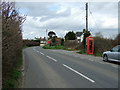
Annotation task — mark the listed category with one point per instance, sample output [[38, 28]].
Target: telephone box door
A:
[[90, 45]]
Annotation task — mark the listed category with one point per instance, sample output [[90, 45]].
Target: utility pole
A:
[[46, 37], [87, 16]]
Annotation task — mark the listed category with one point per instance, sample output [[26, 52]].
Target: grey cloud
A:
[[55, 15], [67, 26], [104, 8], [40, 9]]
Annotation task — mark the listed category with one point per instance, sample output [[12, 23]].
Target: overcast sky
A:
[[68, 16]]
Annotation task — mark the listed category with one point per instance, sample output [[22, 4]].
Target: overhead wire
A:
[[90, 12]]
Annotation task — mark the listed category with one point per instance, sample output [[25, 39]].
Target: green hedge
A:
[[53, 47]]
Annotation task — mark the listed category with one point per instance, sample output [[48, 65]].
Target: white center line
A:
[[101, 62], [51, 58], [42, 53], [79, 73], [37, 51], [90, 59]]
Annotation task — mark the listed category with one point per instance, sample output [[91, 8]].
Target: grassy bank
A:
[[62, 47], [95, 54], [15, 75], [69, 49], [53, 47], [57, 47]]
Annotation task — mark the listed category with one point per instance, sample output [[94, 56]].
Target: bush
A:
[[117, 40], [102, 44], [10, 83], [15, 74]]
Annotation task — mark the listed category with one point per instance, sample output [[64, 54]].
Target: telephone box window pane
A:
[[90, 45]]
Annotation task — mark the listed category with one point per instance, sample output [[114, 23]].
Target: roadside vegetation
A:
[[25, 47], [15, 77], [53, 47], [57, 47], [101, 44], [95, 54], [30, 43], [12, 45]]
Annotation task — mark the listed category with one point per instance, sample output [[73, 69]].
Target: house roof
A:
[[43, 39], [78, 34]]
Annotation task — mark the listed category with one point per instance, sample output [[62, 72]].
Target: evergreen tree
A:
[[86, 34], [70, 36]]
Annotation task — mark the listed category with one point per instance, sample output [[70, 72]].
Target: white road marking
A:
[[115, 66], [37, 51], [101, 62], [90, 59], [79, 73], [97, 57], [51, 58], [42, 53]]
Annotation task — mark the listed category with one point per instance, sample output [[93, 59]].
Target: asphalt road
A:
[[67, 69]]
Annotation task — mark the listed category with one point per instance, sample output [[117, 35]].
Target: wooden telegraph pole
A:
[[87, 16], [46, 37]]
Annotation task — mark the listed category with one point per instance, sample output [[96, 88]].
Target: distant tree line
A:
[[30, 43]]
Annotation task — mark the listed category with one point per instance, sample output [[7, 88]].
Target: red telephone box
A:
[[89, 45]]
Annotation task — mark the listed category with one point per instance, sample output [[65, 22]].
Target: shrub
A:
[[102, 44]]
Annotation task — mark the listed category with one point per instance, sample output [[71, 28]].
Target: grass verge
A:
[[53, 47], [62, 47], [57, 47], [25, 47], [15, 77], [98, 54], [95, 54], [69, 49]]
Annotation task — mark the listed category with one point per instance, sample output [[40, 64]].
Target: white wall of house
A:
[[80, 39], [42, 44]]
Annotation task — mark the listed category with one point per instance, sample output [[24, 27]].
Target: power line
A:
[[93, 19]]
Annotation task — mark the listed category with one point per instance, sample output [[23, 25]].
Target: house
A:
[[43, 41], [79, 36]]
